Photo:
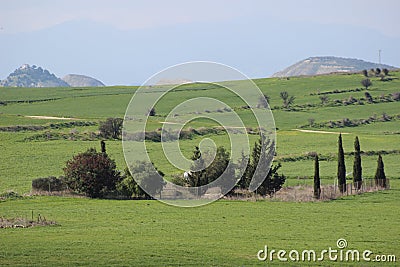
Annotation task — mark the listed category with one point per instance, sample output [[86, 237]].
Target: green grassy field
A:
[[225, 233], [148, 233]]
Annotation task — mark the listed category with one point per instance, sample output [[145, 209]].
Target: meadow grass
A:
[[224, 233]]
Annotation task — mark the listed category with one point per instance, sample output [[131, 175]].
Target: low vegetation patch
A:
[[346, 122], [20, 222], [49, 184], [186, 134], [9, 195], [61, 125], [29, 101], [338, 91], [73, 135], [328, 192], [331, 157]]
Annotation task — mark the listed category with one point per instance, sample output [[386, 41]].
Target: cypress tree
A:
[[103, 147], [357, 169], [380, 177], [317, 181], [197, 176], [341, 174], [258, 169]]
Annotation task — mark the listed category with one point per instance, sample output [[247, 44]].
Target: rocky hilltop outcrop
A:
[[32, 76]]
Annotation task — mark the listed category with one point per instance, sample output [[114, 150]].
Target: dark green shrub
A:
[[385, 71], [365, 73], [49, 184], [366, 83], [92, 173], [111, 128], [142, 181]]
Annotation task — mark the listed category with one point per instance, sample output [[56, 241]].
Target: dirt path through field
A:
[[314, 131], [51, 118]]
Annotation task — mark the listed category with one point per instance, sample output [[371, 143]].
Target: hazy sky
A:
[[125, 42]]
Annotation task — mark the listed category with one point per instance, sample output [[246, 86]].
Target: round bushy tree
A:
[[92, 173], [385, 71], [366, 83], [111, 128], [365, 73], [142, 180]]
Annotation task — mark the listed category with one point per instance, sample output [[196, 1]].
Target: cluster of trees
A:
[[95, 174], [221, 168], [346, 122], [148, 181], [376, 72], [287, 100], [380, 177], [360, 101]]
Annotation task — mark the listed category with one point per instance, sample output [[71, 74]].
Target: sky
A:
[[125, 42]]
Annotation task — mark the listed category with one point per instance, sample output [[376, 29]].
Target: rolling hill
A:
[[76, 80], [324, 65]]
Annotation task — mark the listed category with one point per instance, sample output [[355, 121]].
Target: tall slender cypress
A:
[[317, 181], [380, 177], [103, 147], [341, 174], [357, 168]]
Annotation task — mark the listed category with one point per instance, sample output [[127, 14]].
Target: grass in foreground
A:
[[224, 233]]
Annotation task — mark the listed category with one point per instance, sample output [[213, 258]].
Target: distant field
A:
[[225, 233], [95, 104]]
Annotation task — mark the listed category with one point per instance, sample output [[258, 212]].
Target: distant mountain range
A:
[[324, 65], [33, 76]]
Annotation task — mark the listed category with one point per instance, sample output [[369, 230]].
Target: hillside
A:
[[324, 65], [345, 110], [76, 80], [32, 76]]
